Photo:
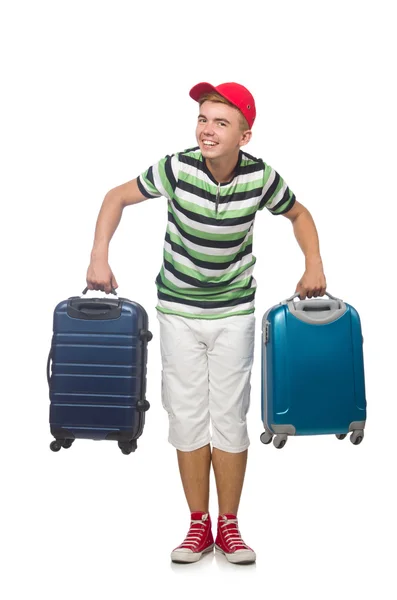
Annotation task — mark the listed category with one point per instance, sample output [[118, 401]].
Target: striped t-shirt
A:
[[208, 263]]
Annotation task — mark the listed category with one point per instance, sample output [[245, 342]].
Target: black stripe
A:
[[206, 264], [149, 176], [250, 157], [288, 207], [254, 168], [258, 165], [210, 304], [206, 243], [239, 196], [211, 220], [196, 282], [193, 189], [282, 201], [169, 173], [193, 162], [143, 191], [270, 191], [209, 294], [232, 197]]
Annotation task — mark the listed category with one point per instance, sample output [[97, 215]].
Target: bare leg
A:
[[194, 468], [229, 470]]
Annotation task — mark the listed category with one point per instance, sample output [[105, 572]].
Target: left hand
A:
[[312, 283]]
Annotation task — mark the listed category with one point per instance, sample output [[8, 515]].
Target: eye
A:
[[201, 120], [222, 123]]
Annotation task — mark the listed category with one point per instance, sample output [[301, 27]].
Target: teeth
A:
[[206, 143]]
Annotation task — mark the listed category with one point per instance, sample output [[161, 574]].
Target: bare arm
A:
[[313, 281], [99, 274]]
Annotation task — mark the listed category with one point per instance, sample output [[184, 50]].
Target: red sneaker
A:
[[198, 541], [229, 541]]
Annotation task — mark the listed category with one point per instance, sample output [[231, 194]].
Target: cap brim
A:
[[201, 88]]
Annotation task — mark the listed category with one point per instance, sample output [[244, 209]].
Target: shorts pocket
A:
[[241, 337]]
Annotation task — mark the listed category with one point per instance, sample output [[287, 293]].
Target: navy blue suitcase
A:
[[96, 371], [312, 370]]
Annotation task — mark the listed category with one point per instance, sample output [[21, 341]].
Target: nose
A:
[[208, 129]]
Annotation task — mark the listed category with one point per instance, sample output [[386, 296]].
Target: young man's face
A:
[[218, 131]]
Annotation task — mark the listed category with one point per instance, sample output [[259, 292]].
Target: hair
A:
[[214, 97]]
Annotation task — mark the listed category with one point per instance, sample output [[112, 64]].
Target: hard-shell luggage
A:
[[312, 370], [96, 371]]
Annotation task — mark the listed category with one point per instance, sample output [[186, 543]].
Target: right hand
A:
[[100, 277]]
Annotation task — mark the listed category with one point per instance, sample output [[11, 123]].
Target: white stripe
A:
[[217, 229], [225, 207], [269, 182], [210, 273], [209, 250], [157, 181], [149, 191], [277, 197], [175, 166]]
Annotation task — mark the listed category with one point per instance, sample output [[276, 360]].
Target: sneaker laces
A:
[[232, 535], [198, 528]]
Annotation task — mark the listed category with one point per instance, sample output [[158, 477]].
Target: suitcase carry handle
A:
[[316, 311], [296, 295], [112, 292], [48, 367]]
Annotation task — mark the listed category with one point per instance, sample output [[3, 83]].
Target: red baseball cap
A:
[[234, 92]]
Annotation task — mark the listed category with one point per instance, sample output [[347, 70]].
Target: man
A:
[[206, 300]]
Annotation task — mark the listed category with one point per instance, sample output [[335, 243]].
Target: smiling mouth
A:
[[209, 144]]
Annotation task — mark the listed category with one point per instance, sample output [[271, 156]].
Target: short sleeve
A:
[[276, 195], [160, 179]]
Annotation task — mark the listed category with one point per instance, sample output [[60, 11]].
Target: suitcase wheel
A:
[[357, 437], [128, 447], [67, 443], [341, 436], [56, 446], [266, 437], [280, 441]]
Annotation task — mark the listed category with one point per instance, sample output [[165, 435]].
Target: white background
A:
[[93, 93]]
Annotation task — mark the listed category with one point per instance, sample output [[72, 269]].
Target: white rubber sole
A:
[[189, 557], [243, 557]]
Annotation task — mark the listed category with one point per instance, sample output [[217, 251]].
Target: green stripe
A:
[[204, 278], [188, 178], [266, 174], [219, 297], [164, 179], [150, 188], [248, 161], [204, 316], [204, 292], [210, 257]]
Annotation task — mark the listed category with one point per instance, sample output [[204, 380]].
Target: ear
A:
[[245, 137]]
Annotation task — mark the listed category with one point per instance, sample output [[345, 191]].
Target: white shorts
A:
[[206, 380]]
